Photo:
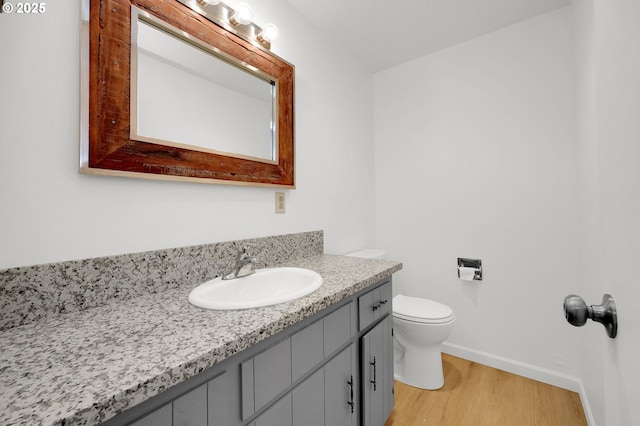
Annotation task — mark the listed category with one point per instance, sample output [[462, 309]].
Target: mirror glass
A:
[[185, 95]]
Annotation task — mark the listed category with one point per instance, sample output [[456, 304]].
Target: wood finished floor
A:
[[477, 395]]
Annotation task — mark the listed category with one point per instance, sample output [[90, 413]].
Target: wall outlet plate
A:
[[280, 202]]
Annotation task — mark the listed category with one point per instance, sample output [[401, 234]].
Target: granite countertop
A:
[[86, 367]]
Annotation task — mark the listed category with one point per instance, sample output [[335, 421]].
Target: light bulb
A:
[[242, 15], [269, 33]]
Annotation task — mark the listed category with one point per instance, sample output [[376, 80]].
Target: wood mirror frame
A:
[[106, 144]]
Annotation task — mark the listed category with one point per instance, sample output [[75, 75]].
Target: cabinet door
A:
[[278, 415], [264, 377], [271, 372], [306, 350], [377, 373], [308, 401], [387, 371], [159, 417], [340, 392], [338, 329], [191, 408], [223, 401]]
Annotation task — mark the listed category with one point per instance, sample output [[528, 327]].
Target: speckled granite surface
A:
[[85, 367], [32, 293]]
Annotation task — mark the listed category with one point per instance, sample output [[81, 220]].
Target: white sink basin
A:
[[266, 287]]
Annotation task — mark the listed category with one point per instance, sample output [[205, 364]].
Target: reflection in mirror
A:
[[185, 95]]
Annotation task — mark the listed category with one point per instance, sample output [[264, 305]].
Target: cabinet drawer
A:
[[374, 304], [265, 376], [386, 299]]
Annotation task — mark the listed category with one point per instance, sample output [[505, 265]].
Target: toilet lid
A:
[[417, 309]]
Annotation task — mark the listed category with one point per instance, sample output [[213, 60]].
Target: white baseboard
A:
[[529, 371], [585, 406]]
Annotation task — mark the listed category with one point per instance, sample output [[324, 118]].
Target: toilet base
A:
[[420, 368]]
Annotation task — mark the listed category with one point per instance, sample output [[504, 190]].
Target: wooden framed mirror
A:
[[111, 142]]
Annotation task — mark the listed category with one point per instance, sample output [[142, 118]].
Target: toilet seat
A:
[[425, 311]]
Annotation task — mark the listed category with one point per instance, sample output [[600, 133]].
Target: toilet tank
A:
[[368, 254]]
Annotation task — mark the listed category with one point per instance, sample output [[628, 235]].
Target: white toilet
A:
[[419, 328]]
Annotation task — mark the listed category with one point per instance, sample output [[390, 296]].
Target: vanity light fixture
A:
[[237, 20], [269, 33], [242, 15], [209, 2]]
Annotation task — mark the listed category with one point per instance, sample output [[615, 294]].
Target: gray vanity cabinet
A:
[[264, 377], [268, 374], [318, 372], [309, 401], [374, 305], [163, 416], [322, 399], [341, 407], [377, 373], [192, 408], [211, 398], [279, 414]]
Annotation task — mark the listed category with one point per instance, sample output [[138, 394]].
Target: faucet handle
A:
[[245, 251], [246, 247]]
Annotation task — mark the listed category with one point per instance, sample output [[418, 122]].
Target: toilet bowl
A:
[[419, 328]]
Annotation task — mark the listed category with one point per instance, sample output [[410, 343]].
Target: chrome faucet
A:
[[244, 266]]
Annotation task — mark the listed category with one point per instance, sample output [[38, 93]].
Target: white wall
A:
[[521, 148], [475, 157], [611, 150], [49, 212]]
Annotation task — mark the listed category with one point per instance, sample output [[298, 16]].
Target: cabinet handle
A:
[[380, 303], [374, 381], [350, 383]]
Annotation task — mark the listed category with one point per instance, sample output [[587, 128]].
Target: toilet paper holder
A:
[[469, 269]]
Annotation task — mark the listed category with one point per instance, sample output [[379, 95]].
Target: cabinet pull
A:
[[380, 303], [350, 383], [375, 384]]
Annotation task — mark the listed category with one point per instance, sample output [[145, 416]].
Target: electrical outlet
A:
[[280, 202]]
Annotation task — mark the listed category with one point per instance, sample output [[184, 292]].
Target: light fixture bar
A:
[[242, 15], [269, 33], [228, 18]]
